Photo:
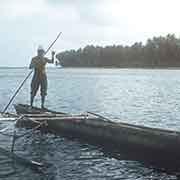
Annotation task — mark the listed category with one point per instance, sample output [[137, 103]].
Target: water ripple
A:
[[145, 97]]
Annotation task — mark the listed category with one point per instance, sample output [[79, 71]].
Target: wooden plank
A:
[[56, 118], [22, 108], [42, 115], [51, 115], [7, 119]]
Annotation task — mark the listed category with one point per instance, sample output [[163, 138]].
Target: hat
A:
[[40, 48]]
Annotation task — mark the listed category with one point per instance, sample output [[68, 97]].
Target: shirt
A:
[[39, 63]]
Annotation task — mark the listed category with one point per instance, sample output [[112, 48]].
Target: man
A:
[[39, 79]]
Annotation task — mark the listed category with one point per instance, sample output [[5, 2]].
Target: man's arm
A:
[[31, 66], [52, 59]]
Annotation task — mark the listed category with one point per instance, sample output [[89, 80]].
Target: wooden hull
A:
[[150, 144]]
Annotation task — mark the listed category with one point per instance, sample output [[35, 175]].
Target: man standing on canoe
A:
[[39, 79]]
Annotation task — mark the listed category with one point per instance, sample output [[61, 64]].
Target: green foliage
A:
[[157, 52]]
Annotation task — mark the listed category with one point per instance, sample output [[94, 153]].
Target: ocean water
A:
[[139, 96]]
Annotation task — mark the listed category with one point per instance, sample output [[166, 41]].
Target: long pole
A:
[[21, 85]]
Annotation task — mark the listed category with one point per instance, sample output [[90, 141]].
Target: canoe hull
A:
[[154, 145]]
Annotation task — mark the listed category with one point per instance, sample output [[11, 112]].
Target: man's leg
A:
[[43, 90], [42, 101], [34, 88], [32, 100]]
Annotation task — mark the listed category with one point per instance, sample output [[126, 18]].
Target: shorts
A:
[[39, 81]]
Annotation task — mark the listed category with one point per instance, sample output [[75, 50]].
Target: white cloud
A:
[[17, 8], [25, 24]]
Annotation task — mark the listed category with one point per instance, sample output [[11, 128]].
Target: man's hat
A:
[[40, 48]]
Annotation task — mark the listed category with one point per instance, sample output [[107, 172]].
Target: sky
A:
[[27, 24]]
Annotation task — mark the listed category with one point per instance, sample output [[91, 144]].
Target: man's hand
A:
[[53, 53]]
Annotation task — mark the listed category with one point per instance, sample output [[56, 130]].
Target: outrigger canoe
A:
[[150, 144]]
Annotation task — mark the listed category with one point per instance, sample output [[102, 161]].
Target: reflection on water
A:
[[146, 97]]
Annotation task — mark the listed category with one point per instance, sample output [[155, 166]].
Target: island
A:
[[158, 52]]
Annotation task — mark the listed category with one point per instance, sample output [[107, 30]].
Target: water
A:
[[145, 97]]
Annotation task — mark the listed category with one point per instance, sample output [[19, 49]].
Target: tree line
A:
[[158, 52]]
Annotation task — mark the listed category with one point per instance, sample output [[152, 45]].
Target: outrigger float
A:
[[153, 145], [10, 153]]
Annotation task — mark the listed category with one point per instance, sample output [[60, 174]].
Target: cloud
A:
[[16, 8], [26, 24], [95, 12]]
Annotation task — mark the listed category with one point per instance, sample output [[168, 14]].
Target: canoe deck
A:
[[152, 144]]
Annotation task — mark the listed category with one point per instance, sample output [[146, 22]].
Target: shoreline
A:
[[58, 67], [150, 68]]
